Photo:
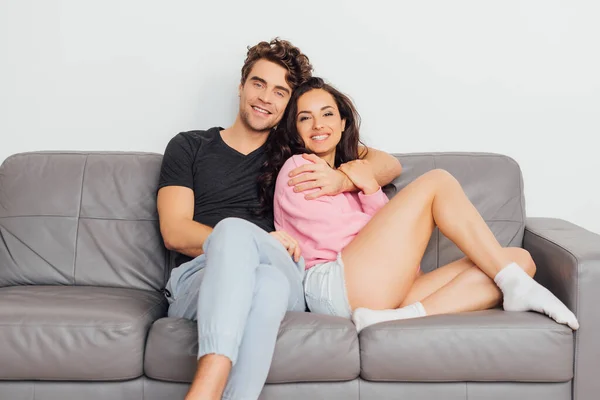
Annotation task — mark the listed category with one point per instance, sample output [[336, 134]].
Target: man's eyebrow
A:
[[308, 112], [261, 80]]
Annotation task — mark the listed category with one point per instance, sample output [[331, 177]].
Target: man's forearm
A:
[[385, 166], [185, 236]]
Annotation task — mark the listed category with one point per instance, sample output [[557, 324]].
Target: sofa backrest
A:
[[81, 219], [493, 183], [90, 218]]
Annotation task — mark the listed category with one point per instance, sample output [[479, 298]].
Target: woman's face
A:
[[319, 123]]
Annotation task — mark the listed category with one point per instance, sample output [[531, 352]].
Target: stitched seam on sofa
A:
[[72, 216], [60, 273], [514, 236], [577, 260], [138, 319], [459, 380], [78, 220], [84, 153], [316, 329], [467, 329], [156, 219], [88, 379]]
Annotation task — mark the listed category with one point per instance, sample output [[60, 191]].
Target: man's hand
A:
[[361, 174], [319, 175], [290, 244]]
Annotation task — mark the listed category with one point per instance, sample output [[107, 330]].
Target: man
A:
[[240, 277]]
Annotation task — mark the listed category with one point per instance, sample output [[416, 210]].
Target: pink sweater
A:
[[323, 226]]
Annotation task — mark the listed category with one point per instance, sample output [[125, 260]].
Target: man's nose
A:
[[265, 97]]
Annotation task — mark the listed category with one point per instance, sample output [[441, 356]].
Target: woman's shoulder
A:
[[294, 162]]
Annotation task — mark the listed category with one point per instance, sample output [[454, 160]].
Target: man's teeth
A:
[[320, 137], [261, 110]]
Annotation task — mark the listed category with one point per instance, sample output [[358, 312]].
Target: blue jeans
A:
[[241, 288]]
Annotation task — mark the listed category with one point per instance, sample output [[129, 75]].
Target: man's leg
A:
[[233, 253], [269, 306]]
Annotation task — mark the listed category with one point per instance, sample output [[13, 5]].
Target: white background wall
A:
[[515, 77]]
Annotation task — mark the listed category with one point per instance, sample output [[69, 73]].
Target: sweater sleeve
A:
[[371, 203]]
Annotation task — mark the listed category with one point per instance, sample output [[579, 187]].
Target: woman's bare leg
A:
[[380, 262], [459, 286], [469, 290]]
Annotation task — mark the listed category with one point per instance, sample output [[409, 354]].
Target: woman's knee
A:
[[440, 176], [523, 258]]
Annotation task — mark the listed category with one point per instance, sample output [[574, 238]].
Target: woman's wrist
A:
[[370, 189]]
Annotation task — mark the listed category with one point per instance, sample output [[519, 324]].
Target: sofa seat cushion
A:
[[75, 332], [310, 348], [491, 345]]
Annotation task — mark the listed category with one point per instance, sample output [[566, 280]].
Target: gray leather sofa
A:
[[82, 315]]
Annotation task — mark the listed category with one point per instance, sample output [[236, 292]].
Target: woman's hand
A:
[[361, 174], [290, 244]]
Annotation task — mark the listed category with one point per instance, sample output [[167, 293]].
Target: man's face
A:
[[264, 96]]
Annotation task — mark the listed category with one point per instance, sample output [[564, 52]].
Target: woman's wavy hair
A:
[[285, 141]]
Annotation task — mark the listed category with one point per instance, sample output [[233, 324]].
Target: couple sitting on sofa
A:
[[339, 247]]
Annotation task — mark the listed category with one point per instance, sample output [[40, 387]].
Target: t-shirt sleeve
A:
[[177, 163], [371, 203], [310, 218]]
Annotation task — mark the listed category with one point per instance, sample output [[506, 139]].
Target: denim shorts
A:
[[325, 289]]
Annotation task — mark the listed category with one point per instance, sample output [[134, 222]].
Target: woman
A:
[[362, 252]]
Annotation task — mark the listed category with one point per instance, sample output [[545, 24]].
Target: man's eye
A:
[[280, 94], [257, 84]]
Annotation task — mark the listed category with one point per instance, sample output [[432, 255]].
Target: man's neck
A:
[[243, 139]]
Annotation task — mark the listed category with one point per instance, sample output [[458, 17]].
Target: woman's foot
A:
[[363, 317], [522, 293]]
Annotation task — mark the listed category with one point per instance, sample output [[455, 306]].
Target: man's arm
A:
[[180, 232], [330, 181], [385, 166]]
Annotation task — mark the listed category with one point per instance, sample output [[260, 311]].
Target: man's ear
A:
[[240, 90]]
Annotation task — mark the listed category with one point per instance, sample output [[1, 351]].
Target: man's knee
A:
[[272, 291], [234, 226]]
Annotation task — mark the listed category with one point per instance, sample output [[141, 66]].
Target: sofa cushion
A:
[[491, 345], [81, 219], [75, 333], [310, 347]]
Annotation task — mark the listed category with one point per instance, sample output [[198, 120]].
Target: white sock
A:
[[363, 317], [522, 293]]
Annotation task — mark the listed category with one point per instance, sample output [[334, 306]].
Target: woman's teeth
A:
[[320, 137]]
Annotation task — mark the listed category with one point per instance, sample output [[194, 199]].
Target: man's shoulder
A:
[[198, 135], [191, 141]]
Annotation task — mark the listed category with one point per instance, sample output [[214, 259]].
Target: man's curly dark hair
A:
[[283, 53]]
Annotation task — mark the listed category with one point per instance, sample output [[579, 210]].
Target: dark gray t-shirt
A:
[[223, 179]]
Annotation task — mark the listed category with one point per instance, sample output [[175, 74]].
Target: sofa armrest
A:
[[568, 264]]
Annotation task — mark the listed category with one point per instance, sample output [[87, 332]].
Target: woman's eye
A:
[[302, 118], [328, 114]]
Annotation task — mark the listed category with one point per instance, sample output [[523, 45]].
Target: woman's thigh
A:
[[382, 260]]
